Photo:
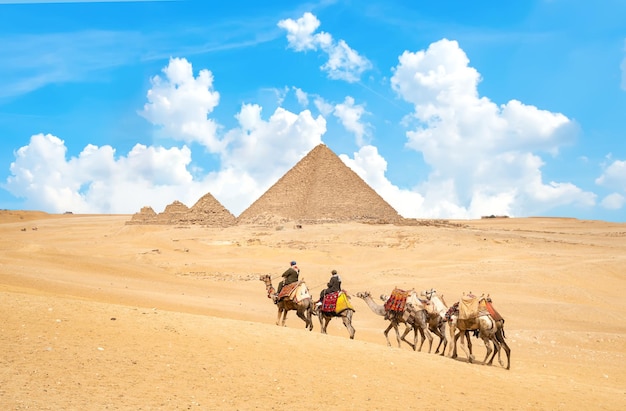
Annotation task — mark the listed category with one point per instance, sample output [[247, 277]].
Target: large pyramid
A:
[[320, 188]]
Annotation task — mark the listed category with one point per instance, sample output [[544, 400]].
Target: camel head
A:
[[363, 295], [267, 279], [429, 293]]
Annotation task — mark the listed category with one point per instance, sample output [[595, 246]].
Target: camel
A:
[[488, 329], [437, 317], [411, 322], [345, 315], [304, 307], [418, 318]]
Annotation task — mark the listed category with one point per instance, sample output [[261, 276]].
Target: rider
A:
[[334, 285], [289, 276]]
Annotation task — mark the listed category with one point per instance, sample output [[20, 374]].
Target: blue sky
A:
[[448, 109]]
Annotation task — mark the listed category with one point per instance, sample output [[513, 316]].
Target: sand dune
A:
[[103, 315]]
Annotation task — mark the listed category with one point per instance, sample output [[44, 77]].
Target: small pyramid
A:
[[319, 188], [173, 214], [145, 216], [209, 211]]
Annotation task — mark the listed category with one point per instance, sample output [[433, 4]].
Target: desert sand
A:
[[101, 315]]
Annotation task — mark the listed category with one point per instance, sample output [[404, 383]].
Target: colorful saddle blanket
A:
[[287, 289], [295, 291], [336, 302], [397, 300], [454, 310]]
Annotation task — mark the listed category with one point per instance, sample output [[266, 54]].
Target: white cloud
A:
[[371, 167], [614, 201], [95, 181], [281, 141], [323, 106], [481, 155], [302, 97], [614, 176], [350, 115], [343, 63], [180, 103], [300, 32]]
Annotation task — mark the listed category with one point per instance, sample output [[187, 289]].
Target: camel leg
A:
[[489, 349], [464, 335], [309, 315], [503, 344], [321, 318], [440, 331], [406, 331], [326, 321], [280, 312], [430, 339], [452, 327], [438, 334], [496, 350], [421, 332], [454, 340], [307, 321], [386, 332], [347, 322], [395, 327], [469, 346]]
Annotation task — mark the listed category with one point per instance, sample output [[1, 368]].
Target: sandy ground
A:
[[99, 315]]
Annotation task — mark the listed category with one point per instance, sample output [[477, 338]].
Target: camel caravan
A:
[[424, 314]]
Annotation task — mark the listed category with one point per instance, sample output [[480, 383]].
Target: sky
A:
[[448, 109]]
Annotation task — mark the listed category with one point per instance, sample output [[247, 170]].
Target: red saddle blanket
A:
[[397, 300], [336, 303], [330, 302], [287, 289], [492, 311]]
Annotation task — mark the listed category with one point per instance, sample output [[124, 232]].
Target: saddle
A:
[[397, 300], [335, 303], [295, 292], [470, 308]]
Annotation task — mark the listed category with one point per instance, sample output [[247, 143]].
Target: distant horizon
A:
[[486, 217]]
